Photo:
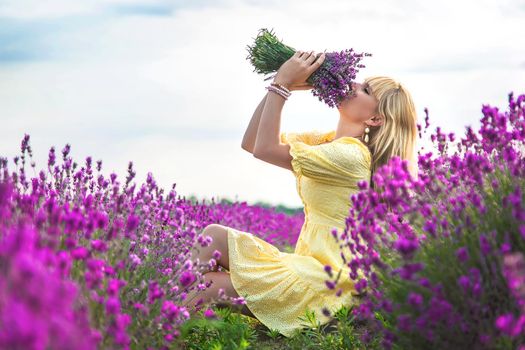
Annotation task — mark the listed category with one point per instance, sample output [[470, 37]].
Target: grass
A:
[[230, 330]]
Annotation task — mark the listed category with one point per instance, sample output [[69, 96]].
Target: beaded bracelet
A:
[[287, 94], [280, 87], [278, 91]]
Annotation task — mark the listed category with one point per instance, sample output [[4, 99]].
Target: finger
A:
[[318, 62], [297, 53], [305, 55], [311, 58]]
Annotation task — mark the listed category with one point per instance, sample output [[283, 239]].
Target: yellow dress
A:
[[278, 287]]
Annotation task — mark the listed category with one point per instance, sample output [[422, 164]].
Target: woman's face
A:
[[360, 107]]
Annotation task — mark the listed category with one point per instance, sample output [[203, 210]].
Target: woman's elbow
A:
[[247, 148]]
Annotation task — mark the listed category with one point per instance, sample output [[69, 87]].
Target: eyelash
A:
[[365, 89]]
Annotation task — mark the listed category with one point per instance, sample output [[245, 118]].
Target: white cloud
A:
[[154, 89], [30, 9]]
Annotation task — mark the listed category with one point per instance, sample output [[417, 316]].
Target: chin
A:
[[342, 104]]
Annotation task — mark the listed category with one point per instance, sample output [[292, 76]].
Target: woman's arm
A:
[[267, 145], [250, 135]]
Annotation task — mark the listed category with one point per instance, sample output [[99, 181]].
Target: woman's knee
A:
[[212, 229], [219, 235]]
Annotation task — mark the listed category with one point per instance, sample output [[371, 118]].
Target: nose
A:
[[355, 85]]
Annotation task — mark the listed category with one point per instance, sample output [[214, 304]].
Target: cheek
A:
[[355, 106]]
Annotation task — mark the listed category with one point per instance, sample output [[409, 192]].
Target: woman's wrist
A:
[[282, 83], [284, 94]]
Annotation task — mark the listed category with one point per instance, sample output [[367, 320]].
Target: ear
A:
[[376, 120]]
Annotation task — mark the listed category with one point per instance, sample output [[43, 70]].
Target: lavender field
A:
[[91, 261]]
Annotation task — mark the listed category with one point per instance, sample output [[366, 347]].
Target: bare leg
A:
[[220, 243], [219, 280]]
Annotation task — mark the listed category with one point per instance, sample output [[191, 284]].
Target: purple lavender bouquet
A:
[[332, 81]]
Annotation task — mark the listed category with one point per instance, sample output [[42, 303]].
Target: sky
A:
[[167, 84]]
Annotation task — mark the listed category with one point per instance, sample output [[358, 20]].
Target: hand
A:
[[293, 73]]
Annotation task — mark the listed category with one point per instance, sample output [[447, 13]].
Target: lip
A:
[[351, 94]]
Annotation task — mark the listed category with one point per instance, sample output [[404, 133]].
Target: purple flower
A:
[[332, 81], [326, 312], [361, 285], [406, 246], [424, 282], [170, 310], [505, 323], [462, 254], [415, 299], [408, 270], [187, 278], [403, 322], [135, 260], [80, 253], [484, 244], [328, 269], [464, 283], [51, 157], [112, 306], [330, 284], [209, 313], [99, 245], [114, 285], [154, 292], [216, 254], [505, 248]]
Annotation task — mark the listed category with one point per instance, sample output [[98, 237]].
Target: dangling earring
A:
[[367, 130]]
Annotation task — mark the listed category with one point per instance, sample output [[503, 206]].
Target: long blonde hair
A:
[[397, 136]]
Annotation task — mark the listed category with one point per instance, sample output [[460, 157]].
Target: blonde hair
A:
[[397, 136]]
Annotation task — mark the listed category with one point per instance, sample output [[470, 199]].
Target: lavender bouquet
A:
[[332, 81]]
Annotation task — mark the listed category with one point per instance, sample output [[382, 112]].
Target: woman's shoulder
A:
[[348, 150], [312, 137]]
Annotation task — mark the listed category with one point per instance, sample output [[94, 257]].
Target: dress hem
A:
[[320, 317]]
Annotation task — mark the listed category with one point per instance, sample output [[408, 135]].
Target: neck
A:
[[345, 128]]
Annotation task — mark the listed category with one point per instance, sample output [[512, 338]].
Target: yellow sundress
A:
[[278, 287]]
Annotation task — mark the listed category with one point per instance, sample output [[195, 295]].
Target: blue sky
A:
[[144, 81]]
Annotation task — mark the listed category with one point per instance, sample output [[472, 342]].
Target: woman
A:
[[378, 122]]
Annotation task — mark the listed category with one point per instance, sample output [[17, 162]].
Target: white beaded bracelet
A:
[[279, 86], [277, 91], [284, 94]]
